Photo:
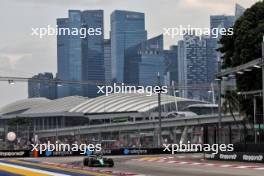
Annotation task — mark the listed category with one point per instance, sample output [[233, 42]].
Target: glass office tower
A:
[[193, 65], [42, 85], [92, 51], [81, 56], [69, 55], [127, 29], [216, 21], [107, 60], [171, 65], [144, 61]]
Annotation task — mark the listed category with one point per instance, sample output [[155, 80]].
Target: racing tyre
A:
[[86, 161], [90, 162], [111, 162]]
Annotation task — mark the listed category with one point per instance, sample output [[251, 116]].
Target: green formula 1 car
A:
[[98, 161]]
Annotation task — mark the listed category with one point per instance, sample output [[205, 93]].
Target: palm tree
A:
[[230, 105]]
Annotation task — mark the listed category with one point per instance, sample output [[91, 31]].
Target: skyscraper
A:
[[69, 60], [127, 29], [81, 56], [219, 21], [107, 60], [42, 85], [216, 21], [239, 11], [144, 61], [92, 51], [224, 21], [192, 65], [171, 64], [182, 65]]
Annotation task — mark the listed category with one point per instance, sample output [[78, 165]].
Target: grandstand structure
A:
[[122, 117]]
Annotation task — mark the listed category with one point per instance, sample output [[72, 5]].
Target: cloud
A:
[[30, 56], [71, 2], [223, 5]]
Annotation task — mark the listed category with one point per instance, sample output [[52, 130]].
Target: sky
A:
[[22, 54]]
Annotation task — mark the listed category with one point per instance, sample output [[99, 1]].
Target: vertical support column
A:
[[219, 105], [205, 134], [255, 133], [43, 123], [230, 133], [159, 107], [262, 67], [184, 136], [175, 135], [216, 137]]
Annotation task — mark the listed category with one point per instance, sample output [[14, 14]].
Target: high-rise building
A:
[[42, 85], [127, 29], [92, 51], [223, 21], [239, 11], [171, 65], [212, 58], [182, 65], [107, 60], [144, 61], [216, 21], [192, 60], [69, 60], [219, 21], [81, 56]]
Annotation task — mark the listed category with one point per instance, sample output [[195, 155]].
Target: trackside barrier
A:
[[14, 153], [122, 151], [236, 156]]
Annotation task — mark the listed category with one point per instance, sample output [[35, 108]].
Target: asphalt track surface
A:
[[159, 165]]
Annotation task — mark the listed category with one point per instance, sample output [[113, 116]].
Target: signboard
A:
[[236, 156]]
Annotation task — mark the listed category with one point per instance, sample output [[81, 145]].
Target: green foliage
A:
[[19, 122], [245, 46]]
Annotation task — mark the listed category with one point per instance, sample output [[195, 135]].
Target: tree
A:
[[19, 122], [245, 46], [230, 105]]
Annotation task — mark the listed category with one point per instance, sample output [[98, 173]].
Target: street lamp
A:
[[262, 79], [11, 82], [159, 107], [175, 99], [257, 66], [240, 72]]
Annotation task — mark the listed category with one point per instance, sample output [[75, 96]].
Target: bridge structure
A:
[[196, 129]]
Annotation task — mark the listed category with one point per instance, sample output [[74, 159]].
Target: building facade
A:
[[107, 60], [144, 61], [193, 65], [127, 29], [171, 65], [92, 51], [42, 85], [69, 60], [239, 11], [80, 57]]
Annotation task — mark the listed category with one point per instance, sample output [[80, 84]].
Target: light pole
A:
[[213, 93], [159, 107], [219, 105], [262, 67], [255, 132]]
